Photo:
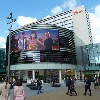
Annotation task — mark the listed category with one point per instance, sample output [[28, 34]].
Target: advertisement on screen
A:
[[42, 39]]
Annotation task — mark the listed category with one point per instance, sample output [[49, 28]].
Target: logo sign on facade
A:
[[77, 12]]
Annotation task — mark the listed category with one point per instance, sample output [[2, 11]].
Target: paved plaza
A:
[[59, 93]]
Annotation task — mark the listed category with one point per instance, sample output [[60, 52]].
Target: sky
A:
[[28, 11]]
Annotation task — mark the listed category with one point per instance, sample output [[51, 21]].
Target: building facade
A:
[[76, 20], [2, 62], [90, 55], [92, 52], [33, 62], [74, 31]]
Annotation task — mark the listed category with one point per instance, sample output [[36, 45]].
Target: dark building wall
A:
[[2, 61]]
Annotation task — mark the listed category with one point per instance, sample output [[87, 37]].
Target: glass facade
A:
[[2, 60], [92, 54]]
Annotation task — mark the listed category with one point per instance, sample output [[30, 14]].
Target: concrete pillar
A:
[[82, 75], [33, 73], [75, 74], [60, 79]]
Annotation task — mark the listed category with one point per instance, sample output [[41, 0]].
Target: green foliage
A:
[[41, 77], [90, 76], [67, 76]]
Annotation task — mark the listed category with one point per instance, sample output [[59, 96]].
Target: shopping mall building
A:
[[68, 30]]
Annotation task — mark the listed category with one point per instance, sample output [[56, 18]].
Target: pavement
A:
[[59, 93]]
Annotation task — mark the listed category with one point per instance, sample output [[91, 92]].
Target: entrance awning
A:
[[92, 68]]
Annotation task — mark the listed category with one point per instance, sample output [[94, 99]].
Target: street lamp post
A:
[[10, 23]]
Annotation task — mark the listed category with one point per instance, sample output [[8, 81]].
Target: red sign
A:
[[77, 12]]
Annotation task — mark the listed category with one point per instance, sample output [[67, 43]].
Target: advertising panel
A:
[[41, 39]]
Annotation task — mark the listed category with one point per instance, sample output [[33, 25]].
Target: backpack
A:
[[40, 82]]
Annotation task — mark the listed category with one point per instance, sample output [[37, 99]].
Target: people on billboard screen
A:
[[34, 43], [48, 42], [22, 42], [35, 40]]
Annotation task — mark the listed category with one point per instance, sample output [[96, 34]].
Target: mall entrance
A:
[[51, 75], [46, 75]]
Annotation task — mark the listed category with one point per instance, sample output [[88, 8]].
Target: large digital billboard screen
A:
[[41, 39]]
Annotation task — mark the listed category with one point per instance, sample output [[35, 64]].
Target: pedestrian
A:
[[19, 93], [5, 90], [87, 86], [53, 81], [14, 81], [11, 83], [68, 83], [72, 87], [39, 86]]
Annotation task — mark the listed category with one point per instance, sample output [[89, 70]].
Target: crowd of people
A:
[[71, 87], [18, 89], [19, 92]]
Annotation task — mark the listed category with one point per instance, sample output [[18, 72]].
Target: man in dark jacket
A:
[[39, 86], [72, 86], [48, 42], [68, 83], [87, 85]]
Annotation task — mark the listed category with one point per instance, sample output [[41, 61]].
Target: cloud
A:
[[70, 4], [95, 24], [56, 10], [94, 17], [47, 16], [2, 42], [22, 20]]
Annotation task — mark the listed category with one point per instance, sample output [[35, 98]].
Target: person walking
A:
[[53, 81], [72, 87], [87, 86], [39, 86], [19, 93], [5, 90], [68, 83]]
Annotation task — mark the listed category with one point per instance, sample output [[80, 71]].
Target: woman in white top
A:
[[5, 90]]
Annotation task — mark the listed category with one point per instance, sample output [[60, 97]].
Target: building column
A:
[[33, 73], [82, 75], [75, 74], [60, 79]]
